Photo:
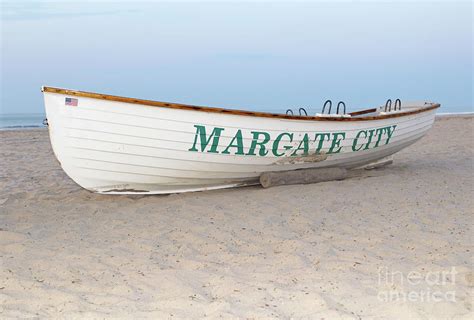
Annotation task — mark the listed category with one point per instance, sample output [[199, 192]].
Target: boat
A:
[[118, 145]]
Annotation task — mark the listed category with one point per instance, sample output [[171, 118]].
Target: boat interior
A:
[[339, 111], [329, 112]]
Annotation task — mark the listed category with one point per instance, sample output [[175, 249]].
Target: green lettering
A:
[[336, 142], [276, 143], [239, 145], [305, 148], [356, 140], [321, 141], [379, 132], [390, 131], [371, 134], [201, 134], [262, 152]]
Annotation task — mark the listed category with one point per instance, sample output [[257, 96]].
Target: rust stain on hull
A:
[[303, 159]]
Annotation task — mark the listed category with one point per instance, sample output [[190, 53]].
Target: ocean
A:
[[35, 120], [22, 120]]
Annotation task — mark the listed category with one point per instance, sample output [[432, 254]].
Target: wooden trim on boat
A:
[[235, 112], [358, 113]]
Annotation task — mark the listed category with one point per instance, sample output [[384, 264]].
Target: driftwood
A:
[[302, 176]]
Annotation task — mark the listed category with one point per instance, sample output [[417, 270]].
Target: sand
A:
[[323, 250]]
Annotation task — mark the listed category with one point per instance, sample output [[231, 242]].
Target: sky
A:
[[266, 56]]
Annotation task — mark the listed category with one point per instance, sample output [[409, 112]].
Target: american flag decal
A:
[[71, 102]]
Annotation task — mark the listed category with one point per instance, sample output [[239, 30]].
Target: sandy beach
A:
[[333, 250]]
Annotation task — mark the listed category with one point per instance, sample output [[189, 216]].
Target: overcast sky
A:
[[267, 56]]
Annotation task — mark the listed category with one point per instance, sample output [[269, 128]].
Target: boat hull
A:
[[118, 147]]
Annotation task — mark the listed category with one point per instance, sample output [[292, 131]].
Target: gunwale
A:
[[171, 105]]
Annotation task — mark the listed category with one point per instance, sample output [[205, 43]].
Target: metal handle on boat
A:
[[388, 105], [399, 105], [305, 113], [343, 104], [289, 112], [324, 106]]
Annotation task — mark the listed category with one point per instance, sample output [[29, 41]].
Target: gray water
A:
[[21, 120]]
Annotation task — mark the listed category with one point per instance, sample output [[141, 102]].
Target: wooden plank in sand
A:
[[302, 176]]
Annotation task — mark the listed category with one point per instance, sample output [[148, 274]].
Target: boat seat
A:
[[334, 115], [389, 112]]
